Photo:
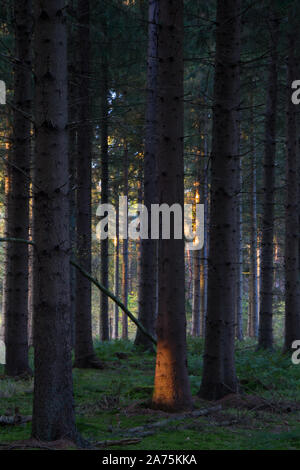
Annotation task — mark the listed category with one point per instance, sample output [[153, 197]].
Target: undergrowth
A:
[[112, 401]]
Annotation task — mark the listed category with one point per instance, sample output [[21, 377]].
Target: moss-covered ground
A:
[[112, 401]]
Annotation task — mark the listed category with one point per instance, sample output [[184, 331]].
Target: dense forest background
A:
[[162, 102]]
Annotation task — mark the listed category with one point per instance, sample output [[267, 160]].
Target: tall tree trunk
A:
[[196, 320], [239, 252], [196, 323], [73, 103], [30, 326], [265, 338], [117, 267], [148, 268], [291, 256], [219, 375], [7, 189], [16, 303], [84, 352], [253, 278], [53, 405], [104, 324], [172, 387], [125, 252], [204, 263]]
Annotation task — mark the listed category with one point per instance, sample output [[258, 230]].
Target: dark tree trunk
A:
[[148, 267], [172, 387], [117, 268], [253, 278], [196, 313], [53, 405], [219, 375], [7, 186], [104, 326], [239, 252], [265, 338], [16, 303], [196, 320], [291, 257], [84, 352], [125, 253], [204, 255], [73, 103], [30, 327]]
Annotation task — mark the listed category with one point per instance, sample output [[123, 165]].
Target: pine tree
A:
[[171, 388], [291, 257], [16, 302], [219, 376], [84, 351], [53, 406], [265, 338], [148, 271]]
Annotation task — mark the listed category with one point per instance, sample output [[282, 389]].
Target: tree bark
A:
[[291, 256], [16, 302], [148, 267], [104, 323], [125, 251], [197, 278], [265, 338], [239, 252], [197, 273], [117, 268], [73, 117], [84, 351], [53, 405], [171, 387], [204, 264], [253, 277], [219, 375]]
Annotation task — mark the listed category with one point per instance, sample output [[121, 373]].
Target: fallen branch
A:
[[98, 285], [14, 420], [165, 422], [115, 299], [122, 442]]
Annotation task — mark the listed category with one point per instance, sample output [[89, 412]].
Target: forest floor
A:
[[111, 402]]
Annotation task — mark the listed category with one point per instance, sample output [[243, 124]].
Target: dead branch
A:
[[165, 422]]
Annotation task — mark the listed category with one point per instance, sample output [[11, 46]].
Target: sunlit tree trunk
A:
[[172, 387]]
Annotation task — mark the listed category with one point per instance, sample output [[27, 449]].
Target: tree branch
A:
[[97, 284]]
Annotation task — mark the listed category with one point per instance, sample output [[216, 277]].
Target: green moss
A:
[[109, 402]]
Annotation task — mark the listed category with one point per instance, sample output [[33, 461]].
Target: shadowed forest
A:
[[119, 328]]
